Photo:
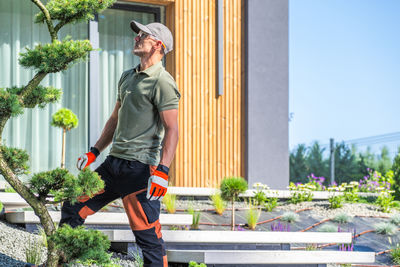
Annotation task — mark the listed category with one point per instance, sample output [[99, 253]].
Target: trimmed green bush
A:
[[17, 159], [64, 186], [195, 264], [65, 118], [231, 187], [55, 56], [86, 245], [72, 11], [40, 96]]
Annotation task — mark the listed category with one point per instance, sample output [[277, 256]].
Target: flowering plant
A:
[[316, 181]]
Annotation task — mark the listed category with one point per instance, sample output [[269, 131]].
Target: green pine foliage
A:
[[64, 186], [231, 187], [43, 183], [40, 96], [56, 56], [72, 11], [1, 206], [17, 159], [64, 118], [195, 264], [10, 106], [86, 245]]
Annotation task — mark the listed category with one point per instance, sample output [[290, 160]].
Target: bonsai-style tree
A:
[[44, 59], [64, 118], [231, 187]]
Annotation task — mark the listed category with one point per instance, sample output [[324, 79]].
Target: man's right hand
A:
[[86, 159]]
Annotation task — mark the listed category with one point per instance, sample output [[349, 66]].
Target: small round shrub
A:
[[86, 245], [395, 219], [328, 227], [65, 118], [342, 218], [231, 187], [290, 217], [385, 228]]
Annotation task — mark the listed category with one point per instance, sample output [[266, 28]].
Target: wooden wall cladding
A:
[[211, 142]]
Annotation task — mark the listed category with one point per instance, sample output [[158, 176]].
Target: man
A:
[[146, 113]]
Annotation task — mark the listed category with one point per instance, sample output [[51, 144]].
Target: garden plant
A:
[[66, 120], [231, 187], [169, 201], [252, 215], [48, 58], [195, 217], [218, 203]]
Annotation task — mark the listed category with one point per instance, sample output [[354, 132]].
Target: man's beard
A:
[[137, 52]]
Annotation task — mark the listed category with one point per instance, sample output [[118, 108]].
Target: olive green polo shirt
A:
[[143, 94]]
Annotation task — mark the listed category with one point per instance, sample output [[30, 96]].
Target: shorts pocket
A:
[[151, 208]]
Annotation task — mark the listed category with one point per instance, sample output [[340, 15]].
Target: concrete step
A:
[[283, 194], [234, 237], [99, 218], [270, 257], [12, 201]]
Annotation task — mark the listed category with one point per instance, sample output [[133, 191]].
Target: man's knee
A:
[[70, 214]]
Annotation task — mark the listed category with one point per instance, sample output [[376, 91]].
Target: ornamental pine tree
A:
[[231, 187], [66, 120], [56, 185]]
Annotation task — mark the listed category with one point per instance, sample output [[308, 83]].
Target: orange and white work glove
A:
[[86, 159], [158, 183]]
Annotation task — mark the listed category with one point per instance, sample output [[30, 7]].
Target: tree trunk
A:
[[38, 207], [63, 150], [233, 214]]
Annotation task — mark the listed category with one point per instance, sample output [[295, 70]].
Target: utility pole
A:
[[332, 165]]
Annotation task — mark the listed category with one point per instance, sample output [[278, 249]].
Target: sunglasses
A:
[[144, 35]]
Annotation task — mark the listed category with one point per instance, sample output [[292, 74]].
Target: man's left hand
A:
[[158, 183]]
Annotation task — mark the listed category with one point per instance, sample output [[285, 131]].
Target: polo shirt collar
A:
[[150, 71]]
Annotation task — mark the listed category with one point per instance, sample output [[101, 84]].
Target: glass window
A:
[[32, 131], [116, 41]]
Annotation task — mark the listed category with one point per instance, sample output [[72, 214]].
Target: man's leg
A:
[[75, 214], [143, 214]]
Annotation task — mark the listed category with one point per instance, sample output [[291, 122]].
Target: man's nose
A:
[[137, 39]]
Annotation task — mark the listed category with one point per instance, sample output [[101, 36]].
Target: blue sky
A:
[[344, 69]]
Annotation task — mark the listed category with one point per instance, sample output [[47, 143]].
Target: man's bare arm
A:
[[109, 129], [169, 119]]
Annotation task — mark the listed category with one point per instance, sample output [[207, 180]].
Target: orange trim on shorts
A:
[[165, 261], [85, 198], [137, 218], [86, 211]]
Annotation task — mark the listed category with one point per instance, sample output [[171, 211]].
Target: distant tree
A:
[[368, 157], [384, 163], [315, 161], [298, 165], [346, 167], [396, 175]]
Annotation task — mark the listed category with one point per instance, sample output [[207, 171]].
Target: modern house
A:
[[230, 61]]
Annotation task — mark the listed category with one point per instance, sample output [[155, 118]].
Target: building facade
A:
[[230, 62]]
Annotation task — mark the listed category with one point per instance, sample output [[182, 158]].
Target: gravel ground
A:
[[320, 208], [14, 239]]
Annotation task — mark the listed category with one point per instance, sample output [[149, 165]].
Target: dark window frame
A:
[[138, 8]]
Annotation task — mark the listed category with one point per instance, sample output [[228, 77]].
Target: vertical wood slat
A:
[[211, 144], [211, 136]]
